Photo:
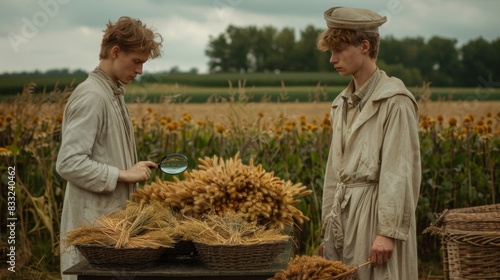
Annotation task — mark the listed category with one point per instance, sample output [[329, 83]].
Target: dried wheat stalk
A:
[[230, 228], [311, 268], [136, 225], [229, 185]]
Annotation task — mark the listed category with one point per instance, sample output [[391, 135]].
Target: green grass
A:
[[318, 93], [250, 79], [255, 87], [195, 94], [13, 84]]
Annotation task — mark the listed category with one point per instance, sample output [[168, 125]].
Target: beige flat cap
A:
[[354, 18]]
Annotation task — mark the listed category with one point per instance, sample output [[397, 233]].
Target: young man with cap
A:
[[372, 178]]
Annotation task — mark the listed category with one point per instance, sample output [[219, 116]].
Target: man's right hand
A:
[[140, 172]]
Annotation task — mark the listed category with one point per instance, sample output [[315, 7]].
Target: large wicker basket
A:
[[241, 256], [478, 218], [473, 254], [470, 242], [99, 256], [183, 251]]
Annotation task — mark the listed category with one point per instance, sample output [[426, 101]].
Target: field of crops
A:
[[200, 88], [459, 146]]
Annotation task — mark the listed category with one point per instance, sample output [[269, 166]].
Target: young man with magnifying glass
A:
[[98, 155]]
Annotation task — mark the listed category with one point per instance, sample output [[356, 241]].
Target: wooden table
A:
[[194, 269]]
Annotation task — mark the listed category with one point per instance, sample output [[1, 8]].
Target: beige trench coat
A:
[[95, 145], [373, 187]]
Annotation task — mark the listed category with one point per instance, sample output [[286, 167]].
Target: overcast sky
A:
[[49, 34]]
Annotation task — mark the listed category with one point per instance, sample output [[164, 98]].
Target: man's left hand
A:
[[381, 250]]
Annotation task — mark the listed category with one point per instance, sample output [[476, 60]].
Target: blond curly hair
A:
[[130, 35], [336, 40]]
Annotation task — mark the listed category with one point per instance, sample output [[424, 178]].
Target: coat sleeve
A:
[[400, 174], [84, 120], [329, 185]]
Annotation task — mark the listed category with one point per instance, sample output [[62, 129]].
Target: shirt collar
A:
[[118, 88], [354, 97]]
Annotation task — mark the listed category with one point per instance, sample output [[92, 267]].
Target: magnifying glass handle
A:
[[152, 167]]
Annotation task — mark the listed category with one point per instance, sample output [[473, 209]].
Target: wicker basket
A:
[[241, 256], [479, 218], [183, 251], [470, 242], [473, 254], [99, 256]]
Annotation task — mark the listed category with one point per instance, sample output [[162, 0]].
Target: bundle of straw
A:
[[229, 185], [229, 228], [135, 226], [315, 268]]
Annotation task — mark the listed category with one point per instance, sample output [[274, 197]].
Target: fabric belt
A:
[[333, 223]]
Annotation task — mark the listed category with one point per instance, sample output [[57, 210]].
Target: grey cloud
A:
[[461, 19]]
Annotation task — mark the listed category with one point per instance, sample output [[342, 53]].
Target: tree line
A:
[[415, 60]]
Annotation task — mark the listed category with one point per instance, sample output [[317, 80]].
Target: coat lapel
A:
[[370, 108], [391, 87]]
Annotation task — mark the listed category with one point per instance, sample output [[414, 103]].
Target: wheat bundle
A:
[[229, 185], [134, 226], [312, 268], [231, 228]]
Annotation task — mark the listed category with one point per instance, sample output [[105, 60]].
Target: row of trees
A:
[[437, 60]]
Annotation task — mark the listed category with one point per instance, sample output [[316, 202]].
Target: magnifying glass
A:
[[173, 164]]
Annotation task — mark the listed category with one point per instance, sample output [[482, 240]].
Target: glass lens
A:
[[174, 164]]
